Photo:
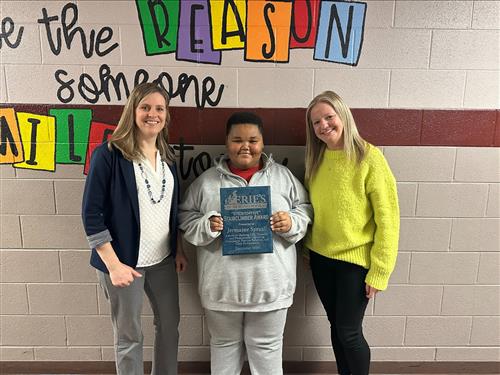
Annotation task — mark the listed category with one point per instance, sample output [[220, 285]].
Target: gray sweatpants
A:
[[161, 286], [260, 333]]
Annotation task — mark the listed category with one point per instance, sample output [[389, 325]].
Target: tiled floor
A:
[[285, 374]]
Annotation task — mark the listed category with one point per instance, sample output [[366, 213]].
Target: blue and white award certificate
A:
[[246, 212]]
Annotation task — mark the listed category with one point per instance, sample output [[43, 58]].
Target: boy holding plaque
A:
[[246, 296]]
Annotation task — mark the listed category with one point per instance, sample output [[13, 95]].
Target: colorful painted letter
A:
[[305, 15], [158, 20], [72, 134], [11, 148], [38, 134], [268, 31], [99, 133], [340, 32], [228, 20], [195, 42], [198, 30]]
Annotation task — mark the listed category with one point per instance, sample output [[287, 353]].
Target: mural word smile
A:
[[69, 136]]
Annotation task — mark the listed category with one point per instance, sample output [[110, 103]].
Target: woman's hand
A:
[[281, 222], [216, 223], [370, 291], [122, 275], [181, 261]]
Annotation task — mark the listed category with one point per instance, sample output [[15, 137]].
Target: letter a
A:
[[228, 20]]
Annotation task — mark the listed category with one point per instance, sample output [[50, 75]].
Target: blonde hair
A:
[[124, 138], [354, 145]]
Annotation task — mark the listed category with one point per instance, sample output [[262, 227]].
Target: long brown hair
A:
[[354, 145], [124, 138]]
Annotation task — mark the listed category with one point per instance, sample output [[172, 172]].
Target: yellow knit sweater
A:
[[356, 213]]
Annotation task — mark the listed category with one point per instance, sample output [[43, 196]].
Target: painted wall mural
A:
[[199, 31], [70, 135], [30, 140], [196, 31]]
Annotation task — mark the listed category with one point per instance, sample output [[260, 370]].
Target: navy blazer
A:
[[110, 207]]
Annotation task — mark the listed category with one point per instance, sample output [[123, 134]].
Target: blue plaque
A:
[[246, 212]]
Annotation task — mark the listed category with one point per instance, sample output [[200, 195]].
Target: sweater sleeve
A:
[[382, 194], [301, 211], [192, 221]]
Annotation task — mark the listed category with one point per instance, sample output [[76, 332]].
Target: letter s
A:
[[269, 7]]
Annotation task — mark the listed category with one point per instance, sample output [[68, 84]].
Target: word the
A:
[[94, 43]]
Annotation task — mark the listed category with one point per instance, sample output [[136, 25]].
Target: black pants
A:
[[341, 288]]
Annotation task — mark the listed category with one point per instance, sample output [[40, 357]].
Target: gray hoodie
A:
[[251, 282]]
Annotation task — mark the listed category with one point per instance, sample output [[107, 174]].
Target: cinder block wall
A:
[[438, 58]]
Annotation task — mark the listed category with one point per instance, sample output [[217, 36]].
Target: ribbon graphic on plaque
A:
[[246, 212]]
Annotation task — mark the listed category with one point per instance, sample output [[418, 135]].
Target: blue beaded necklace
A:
[[148, 185]]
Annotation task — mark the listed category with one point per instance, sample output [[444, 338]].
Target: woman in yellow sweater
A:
[[353, 241]]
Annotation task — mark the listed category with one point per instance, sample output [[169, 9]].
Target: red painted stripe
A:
[[389, 127], [285, 126], [496, 140], [464, 128]]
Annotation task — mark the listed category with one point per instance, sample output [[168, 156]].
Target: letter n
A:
[[340, 32]]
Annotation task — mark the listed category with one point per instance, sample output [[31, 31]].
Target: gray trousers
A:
[[259, 334], [161, 287]]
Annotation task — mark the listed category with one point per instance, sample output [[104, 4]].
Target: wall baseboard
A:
[[290, 367]]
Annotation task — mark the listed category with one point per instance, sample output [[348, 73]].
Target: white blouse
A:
[[154, 218]]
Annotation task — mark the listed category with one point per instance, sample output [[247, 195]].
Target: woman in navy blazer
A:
[[129, 214]]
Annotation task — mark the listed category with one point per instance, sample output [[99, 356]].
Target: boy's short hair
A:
[[239, 118]]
